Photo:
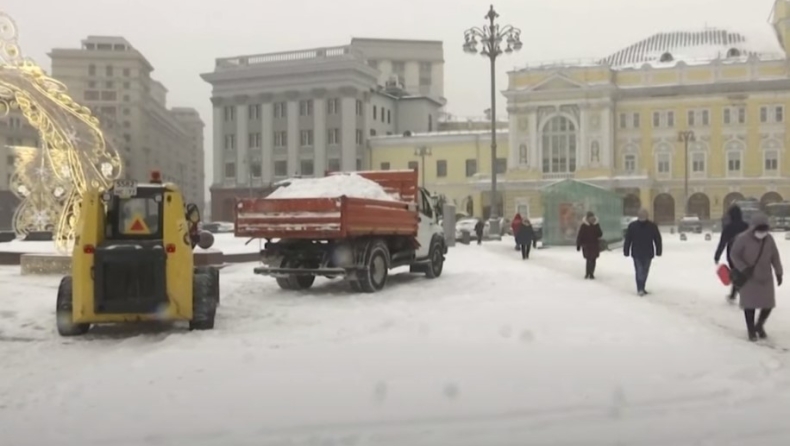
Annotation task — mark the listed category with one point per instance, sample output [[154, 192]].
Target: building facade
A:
[[307, 112], [112, 78], [623, 123]]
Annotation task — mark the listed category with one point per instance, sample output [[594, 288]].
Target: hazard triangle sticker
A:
[[138, 226]]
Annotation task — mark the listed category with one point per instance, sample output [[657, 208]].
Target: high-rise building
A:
[[310, 111], [111, 77]]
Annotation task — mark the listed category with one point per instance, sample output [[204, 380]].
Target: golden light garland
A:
[[73, 155]]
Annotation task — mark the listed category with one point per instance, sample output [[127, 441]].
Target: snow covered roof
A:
[[708, 44]]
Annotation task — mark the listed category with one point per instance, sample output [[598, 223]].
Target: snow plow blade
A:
[[285, 272]]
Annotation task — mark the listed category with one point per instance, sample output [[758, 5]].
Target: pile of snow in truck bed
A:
[[350, 185]]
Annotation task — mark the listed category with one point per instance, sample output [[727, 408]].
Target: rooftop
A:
[[315, 54]]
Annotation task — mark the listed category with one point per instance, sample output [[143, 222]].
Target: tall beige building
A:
[[112, 78]]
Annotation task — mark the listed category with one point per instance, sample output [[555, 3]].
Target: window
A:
[[425, 74], [382, 114], [280, 139], [333, 165], [441, 168], [413, 165], [372, 132], [631, 119], [91, 84], [91, 70], [670, 119], [254, 112], [110, 71], [399, 68], [126, 98], [306, 138], [127, 72], [501, 165], [230, 170], [91, 95], [255, 169], [127, 85], [691, 118], [471, 168], [306, 167], [741, 115], [360, 137], [763, 115], [280, 168], [332, 106], [109, 96], [333, 137], [359, 107], [125, 111], [663, 119], [147, 209], [254, 140], [771, 161], [559, 146], [705, 118], [280, 109], [636, 120], [389, 121], [306, 108], [623, 122], [656, 119], [779, 115], [727, 116], [698, 163], [430, 123], [374, 112], [663, 163], [385, 166], [229, 113], [230, 142], [629, 163], [109, 84], [733, 163]]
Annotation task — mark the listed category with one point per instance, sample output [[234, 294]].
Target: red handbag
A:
[[723, 271]]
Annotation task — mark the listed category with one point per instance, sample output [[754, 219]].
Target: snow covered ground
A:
[[497, 351]]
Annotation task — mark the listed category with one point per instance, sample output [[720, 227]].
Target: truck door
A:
[[426, 226]]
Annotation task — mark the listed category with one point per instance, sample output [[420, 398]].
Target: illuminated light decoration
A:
[[73, 156]]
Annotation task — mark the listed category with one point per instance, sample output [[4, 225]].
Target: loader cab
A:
[[130, 262]]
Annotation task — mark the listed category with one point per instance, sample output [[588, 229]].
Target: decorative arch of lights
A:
[[72, 157]]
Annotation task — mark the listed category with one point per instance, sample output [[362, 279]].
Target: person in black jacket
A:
[[735, 225], [525, 237], [642, 243], [588, 241], [479, 227]]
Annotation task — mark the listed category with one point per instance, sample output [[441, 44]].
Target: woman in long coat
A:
[[525, 238], [588, 241], [754, 253]]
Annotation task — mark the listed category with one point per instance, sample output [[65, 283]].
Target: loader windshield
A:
[[136, 217]]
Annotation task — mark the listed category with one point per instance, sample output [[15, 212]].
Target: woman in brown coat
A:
[[755, 259], [588, 241]]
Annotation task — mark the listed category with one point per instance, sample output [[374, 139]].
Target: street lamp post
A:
[[686, 136], [490, 37], [422, 152]]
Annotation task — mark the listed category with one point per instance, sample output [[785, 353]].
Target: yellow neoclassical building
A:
[[620, 123]]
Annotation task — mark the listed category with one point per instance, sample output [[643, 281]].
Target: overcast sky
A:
[[181, 38]]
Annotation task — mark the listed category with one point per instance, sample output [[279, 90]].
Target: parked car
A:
[[468, 225], [218, 227], [690, 223]]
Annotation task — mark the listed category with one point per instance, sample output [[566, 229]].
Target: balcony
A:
[[559, 175], [338, 52]]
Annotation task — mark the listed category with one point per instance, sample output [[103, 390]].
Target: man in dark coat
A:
[[525, 237], [479, 226], [642, 243], [734, 226], [589, 243]]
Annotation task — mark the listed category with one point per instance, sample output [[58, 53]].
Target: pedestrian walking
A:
[[525, 238], [642, 244], [515, 225], [756, 260], [588, 241], [479, 226], [734, 226]]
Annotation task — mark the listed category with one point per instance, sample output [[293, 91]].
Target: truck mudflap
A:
[[285, 272]]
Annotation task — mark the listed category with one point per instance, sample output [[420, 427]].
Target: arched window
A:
[[666, 57], [559, 146], [733, 52]]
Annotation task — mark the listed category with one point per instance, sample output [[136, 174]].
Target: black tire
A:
[[204, 305], [436, 256], [213, 273], [294, 281], [302, 282], [373, 277], [285, 283], [64, 317]]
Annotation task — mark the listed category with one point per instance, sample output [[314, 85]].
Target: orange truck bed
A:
[[334, 218]]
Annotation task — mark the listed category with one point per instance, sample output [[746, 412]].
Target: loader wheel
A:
[[213, 273], [435, 268], [204, 305], [374, 275], [63, 311]]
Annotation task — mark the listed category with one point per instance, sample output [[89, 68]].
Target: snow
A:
[[498, 351], [226, 243], [332, 186]]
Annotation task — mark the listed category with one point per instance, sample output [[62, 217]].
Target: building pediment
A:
[[557, 82]]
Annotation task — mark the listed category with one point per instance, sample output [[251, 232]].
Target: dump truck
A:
[[357, 239], [133, 261]]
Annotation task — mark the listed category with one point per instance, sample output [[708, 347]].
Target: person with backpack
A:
[[734, 226], [642, 243], [755, 259], [588, 241]]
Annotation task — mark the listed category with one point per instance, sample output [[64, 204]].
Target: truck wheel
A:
[[376, 269], [436, 256], [285, 283], [204, 306], [64, 317], [301, 282]]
